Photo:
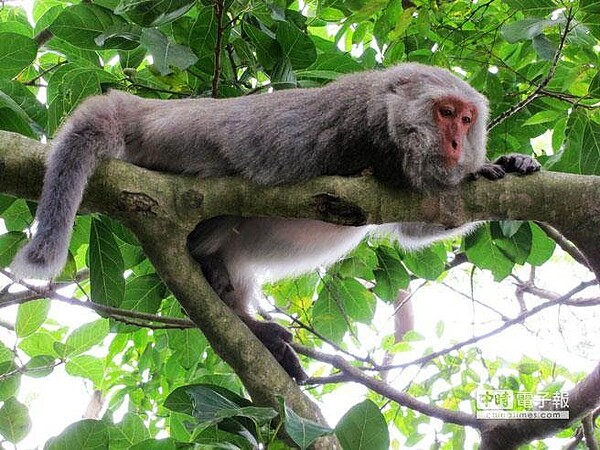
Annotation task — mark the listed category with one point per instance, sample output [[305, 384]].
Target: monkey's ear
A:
[[397, 85]]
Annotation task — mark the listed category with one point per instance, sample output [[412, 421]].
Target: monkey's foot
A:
[[277, 340], [35, 261]]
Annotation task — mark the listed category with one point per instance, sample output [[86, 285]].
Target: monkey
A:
[[413, 125]]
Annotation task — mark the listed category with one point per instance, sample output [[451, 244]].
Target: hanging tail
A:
[[94, 131]]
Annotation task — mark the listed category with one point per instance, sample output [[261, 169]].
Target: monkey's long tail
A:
[[84, 138]]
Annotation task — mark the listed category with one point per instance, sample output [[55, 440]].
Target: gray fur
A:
[[378, 119]]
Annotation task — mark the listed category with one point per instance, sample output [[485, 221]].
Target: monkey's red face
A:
[[454, 118]]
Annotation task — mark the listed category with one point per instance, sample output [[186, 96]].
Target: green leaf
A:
[[358, 303], [14, 420], [27, 102], [428, 263], [144, 293], [106, 266], [81, 24], [30, 316], [525, 29], [517, 247], [86, 336], [85, 435], [327, 315], [39, 366], [302, 431], [16, 53], [482, 251], [544, 47], [182, 399], [363, 428], [155, 444], [581, 153], [128, 432], [188, 346], [296, 45], [10, 243], [10, 380], [153, 13], [542, 247], [267, 49], [533, 7], [166, 54], [390, 276], [86, 366], [41, 343]]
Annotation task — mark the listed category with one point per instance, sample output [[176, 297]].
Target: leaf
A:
[[357, 301], [155, 444], [30, 316], [106, 266], [525, 29], [39, 366], [16, 53], [153, 13], [182, 399], [86, 336], [86, 434], [328, 319], [144, 293], [428, 263], [390, 276], [363, 427], [10, 243], [81, 24], [166, 54], [187, 345], [533, 7], [128, 432], [544, 47], [14, 420], [302, 431], [581, 153], [86, 366], [517, 247], [296, 45], [542, 247], [482, 251]]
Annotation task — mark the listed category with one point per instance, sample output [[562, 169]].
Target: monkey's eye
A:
[[466, 119], [446, 112]]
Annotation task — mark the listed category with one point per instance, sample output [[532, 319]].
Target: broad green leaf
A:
[[156, 444], [10, 380], [544, 47], [14, 420], [360, 263], [537, 8], [86, 366], [10, 243], [144, 293], [30, 316], [267, 49], [153, 13], [214, 437], [517, 247], [26, 101], [525, 29], [128, 432], [188, 346], [86, 336], [328, 318], [124, 36], [41, 343], [106, 266], [542, 247], [363, 427], [581, 153], [302, 431], [482, 251], [86, 434], [39, 366], [183, 398], [166, 53], [6, 354], [16, 53], [428, 263], [390, 276], [296, 45], [546, 116], [81, 24], [357, 302]]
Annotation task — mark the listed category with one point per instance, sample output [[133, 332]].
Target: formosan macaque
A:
[[413, 125]]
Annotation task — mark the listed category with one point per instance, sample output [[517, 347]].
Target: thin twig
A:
[[219, 6]]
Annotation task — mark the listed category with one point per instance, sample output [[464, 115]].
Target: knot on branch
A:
[[137, 202], [337, 210]]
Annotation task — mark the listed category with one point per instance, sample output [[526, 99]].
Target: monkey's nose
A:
[[454, 144]]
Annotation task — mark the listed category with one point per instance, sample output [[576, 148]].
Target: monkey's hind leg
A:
[[207, 237]]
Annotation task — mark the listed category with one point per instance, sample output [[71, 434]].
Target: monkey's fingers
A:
[[491, 171], [521, 164]]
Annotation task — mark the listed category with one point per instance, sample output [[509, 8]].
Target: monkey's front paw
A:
[[491, 171], [518, 163], [276, 338]]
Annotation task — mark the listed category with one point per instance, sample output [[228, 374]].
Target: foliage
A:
[[156, 369]]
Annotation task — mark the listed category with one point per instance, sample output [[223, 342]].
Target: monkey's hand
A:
[[277, 340], [514, 162]]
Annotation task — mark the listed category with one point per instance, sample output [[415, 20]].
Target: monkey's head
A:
[[438, 125]]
